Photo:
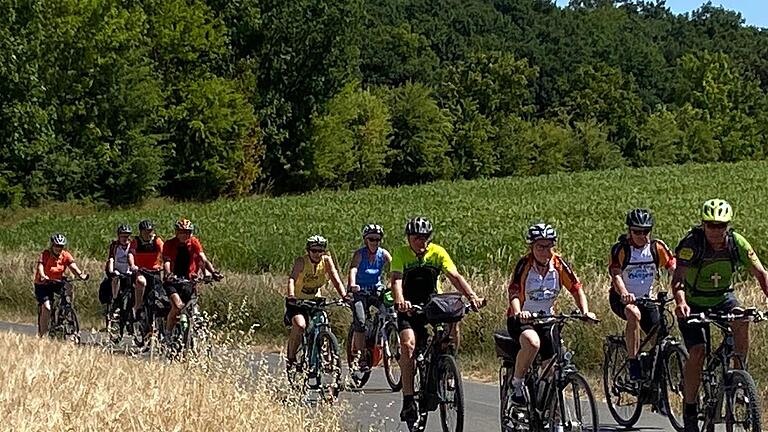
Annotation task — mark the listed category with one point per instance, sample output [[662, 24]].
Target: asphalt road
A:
[[377, 408]]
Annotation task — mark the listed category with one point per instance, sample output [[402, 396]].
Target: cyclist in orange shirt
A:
[[145, 258], [51, 265]]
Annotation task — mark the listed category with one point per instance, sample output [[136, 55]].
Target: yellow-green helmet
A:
[[716, 210]]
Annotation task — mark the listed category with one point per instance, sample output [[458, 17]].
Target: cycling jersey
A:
[[148, 255], [421, 275], [311, 279], [639, 266], [53, 266], [710, 275], [119, 253], [369, 272], [184, 257], [537, 292]]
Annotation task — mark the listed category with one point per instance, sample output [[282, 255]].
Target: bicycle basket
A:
[[447, 308]]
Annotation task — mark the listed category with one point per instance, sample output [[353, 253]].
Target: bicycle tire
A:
[[615, 356], [740, 380], [672, 384], [359, 379], [574, 381], [448, 368], [506, 420], [328, 363], [391, 357], [71, 331]]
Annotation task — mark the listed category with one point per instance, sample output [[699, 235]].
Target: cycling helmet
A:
[[146, 225], [373, 229], [184, 225], [317, 240], [418, 225], [640, 218], [716, 210], [541, 232], [58, 239], [124, 229]]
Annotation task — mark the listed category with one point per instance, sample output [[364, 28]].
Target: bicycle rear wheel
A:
[[742, 403], [391, 356], [579, 412], [675, 357], [450, 393], [621, 393], [328, 365]]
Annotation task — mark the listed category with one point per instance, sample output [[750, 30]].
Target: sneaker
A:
[[635, 370], [518, 397], [410, 412]]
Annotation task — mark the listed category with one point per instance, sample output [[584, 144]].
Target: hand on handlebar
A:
[[524, 317], [592, 317], [682, 310], [84, 276], [477, 302], [403, 306], [217, 276], [627, 298]]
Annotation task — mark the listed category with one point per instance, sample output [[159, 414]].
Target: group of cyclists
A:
[[139, 261], [703, 267]]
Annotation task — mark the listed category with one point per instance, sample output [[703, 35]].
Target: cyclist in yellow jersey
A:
[[414, 277], [310, 273]]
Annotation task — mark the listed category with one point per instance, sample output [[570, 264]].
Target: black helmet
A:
[[640, 218], [58, 239], [146, 225], [124, 229], [418, 225]]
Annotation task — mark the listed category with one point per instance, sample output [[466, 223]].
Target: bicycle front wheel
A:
[[579, 412], [675, 357], [621, 394], [742, 403], [450, 393], [391, 357], [71, 324], [328, 365]]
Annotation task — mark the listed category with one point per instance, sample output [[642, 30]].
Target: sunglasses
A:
[[373, 239], [123, 236], [640, 231], [421, 237], [716, 225], [316, 250]]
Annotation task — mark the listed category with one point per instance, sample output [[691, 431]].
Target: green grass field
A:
[[481, 223]]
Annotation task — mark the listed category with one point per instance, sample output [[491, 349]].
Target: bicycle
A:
[[318, 356], [63, 322], [190, 337], [662, 359], [156, 305], [437, 379], [724, 388], [119, 316], [382, 345], [546, 391]]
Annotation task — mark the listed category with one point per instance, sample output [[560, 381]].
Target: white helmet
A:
[[373, 229], [317, 240], [541, 232]]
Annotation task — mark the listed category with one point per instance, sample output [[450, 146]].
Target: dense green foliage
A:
[[120, 100], [481, 223]]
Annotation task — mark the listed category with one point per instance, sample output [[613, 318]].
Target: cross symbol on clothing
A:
[[716, 278]]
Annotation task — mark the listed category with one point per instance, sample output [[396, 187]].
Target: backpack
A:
[[700, 241], [627, 248]]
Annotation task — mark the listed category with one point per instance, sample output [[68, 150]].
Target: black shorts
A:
[[696, 334], [46, 291], [184, 290], [291, 310], [649, 314], [417, 323], [547, 346]]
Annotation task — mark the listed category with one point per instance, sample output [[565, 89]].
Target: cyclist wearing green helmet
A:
[[707, 260]]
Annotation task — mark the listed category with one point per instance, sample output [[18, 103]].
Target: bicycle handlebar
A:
[[660, 300], [545, 318], [737, 314]]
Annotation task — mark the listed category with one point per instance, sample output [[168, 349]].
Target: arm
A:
[[333, 275], [111, 265], [396, 284], [581, 301], [76, 270], [461, 284], [131, 257], [298, 267], [761, 275], [41, 271], [617, 281], [356, 257], [678, 288], [207, 262]]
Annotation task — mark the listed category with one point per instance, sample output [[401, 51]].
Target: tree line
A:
[[119, 100]]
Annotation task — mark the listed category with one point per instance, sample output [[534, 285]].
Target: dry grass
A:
[[55, 386]]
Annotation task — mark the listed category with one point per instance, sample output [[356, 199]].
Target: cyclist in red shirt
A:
[[145, 258], [183, 258], [51, 265]]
